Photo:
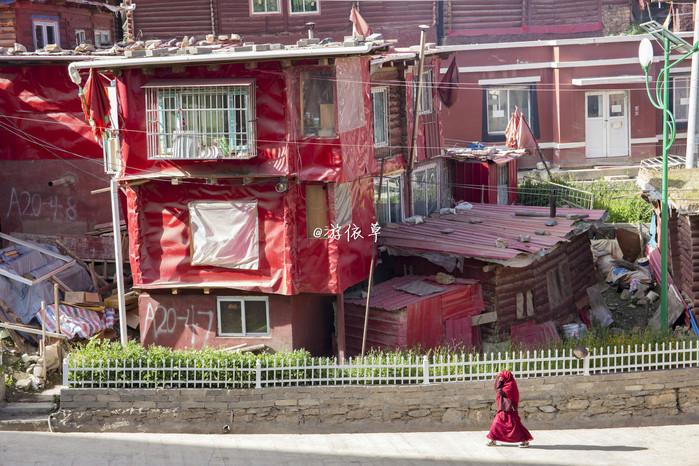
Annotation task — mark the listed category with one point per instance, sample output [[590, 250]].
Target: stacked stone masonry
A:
[[616, 19], [639, 398]]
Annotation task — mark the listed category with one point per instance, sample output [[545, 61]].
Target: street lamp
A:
[[670, 43]]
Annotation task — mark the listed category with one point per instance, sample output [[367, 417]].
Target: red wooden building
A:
[[67, 23], [452, 21], [237, 168]]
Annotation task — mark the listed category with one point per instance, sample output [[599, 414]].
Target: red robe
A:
[[507, 427]]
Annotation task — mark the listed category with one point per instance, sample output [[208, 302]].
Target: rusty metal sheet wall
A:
[[688, 257]]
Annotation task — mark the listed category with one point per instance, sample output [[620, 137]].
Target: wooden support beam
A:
[[32, 330], [485, 318]]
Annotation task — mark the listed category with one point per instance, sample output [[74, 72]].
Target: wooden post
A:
[[42, 346], [57, 308], [340, 327]]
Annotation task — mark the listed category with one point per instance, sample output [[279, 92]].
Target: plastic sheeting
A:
[[225, 234], [24, 300]]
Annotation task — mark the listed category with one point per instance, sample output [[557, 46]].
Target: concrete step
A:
[[31, 424], [46, 396], [24, 410]]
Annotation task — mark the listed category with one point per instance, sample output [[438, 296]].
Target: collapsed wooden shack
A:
[[530, 269]]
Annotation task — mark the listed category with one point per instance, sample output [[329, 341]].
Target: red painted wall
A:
[[44, 137], [190, 320], [561, 104]]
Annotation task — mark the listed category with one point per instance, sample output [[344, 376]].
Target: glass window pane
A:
[[318, 103], [50, 35], [431, 181], [519, 98], [594, 106], [419, 194], [39, 35], [380, 117], [497, 110], [394, 198], [680, 98], [617, 102], [231, 317], [256, 317]]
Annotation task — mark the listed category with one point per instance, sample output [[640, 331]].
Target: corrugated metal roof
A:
[[385, 295], [488, 232]]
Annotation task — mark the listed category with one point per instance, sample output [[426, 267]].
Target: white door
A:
[[606, 124], [595, 125]]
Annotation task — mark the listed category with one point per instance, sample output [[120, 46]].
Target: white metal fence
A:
[[380, 370]]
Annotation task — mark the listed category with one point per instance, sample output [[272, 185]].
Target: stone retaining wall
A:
[[639, 398]]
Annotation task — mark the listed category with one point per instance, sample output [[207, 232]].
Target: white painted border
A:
[[644, 140], [625, 79], [513, 80]]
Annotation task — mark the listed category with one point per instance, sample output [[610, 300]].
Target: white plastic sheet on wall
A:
[[225, 234]]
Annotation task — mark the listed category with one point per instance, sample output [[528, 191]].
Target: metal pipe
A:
[[691, 154], [310, 27], [118, 258], [664, 212], [68, 179]]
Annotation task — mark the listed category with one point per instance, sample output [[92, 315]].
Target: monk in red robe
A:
[[507, 427]]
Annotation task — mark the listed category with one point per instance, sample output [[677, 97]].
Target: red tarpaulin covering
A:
[[96, 104]]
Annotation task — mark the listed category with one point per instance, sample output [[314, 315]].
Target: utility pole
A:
[[691, 157]]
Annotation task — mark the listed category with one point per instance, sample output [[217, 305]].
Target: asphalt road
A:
[[644, 446]]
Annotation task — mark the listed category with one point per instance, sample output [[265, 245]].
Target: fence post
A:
[[425, 370], [65, 371], [258, 374], [586, 365]]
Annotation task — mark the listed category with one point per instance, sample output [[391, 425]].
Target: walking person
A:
[[507, 427]]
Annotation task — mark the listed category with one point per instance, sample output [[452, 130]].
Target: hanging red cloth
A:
[[359, 26], [507, 426], [449, 84], [512, 130], [95, 103]]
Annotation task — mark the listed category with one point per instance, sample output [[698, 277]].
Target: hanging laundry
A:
[[359, 26], [449, 83], [95, 104]]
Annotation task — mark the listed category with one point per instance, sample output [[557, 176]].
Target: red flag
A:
[[518, 134], [359, 25], [512, 130], [95, 103], [449, 84]]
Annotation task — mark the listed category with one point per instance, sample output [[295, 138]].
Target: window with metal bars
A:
[[200, 121]]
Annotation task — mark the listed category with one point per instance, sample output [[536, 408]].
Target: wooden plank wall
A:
[[392, 77], [8, 34]]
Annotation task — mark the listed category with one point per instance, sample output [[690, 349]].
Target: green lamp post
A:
[[670, 43]]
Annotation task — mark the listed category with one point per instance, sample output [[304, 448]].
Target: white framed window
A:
[[80, 37], [501, 104], [379, 99], [425, 106], [102, 38], [680, 98], [242, 316], [304, 7], [265, 7], [425, 190], [224, 234], [390, 209], [193, 121], [318, 103], [45, 33]]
